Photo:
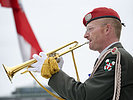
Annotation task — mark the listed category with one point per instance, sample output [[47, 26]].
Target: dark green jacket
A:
[[101, 85]]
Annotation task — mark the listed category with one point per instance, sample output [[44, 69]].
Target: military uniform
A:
[[101, 85]]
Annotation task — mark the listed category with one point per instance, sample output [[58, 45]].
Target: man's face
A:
[[95, 34]]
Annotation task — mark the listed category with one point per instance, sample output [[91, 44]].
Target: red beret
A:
[[101, 12]]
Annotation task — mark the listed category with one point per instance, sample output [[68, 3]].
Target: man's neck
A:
[[108, 42], [101, 53]]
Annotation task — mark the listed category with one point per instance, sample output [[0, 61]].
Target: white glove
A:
[[40, 60], [61, 62]]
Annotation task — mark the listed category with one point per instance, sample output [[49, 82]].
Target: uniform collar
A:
[[107, 48]]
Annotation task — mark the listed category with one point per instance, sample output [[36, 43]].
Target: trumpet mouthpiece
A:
[[87, 42]]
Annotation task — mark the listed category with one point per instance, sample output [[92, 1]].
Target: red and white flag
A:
[[27, 40]]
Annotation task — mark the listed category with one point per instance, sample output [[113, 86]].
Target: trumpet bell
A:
[[9, 74]]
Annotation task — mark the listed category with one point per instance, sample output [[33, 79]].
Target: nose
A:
[[86, 35]]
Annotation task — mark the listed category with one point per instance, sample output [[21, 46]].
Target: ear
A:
[[108, 29]]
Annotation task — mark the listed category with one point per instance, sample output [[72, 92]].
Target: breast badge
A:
[[109, 65]]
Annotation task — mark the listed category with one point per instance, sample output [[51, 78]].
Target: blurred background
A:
[[56, 23]]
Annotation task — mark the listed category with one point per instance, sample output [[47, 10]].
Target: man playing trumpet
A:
[[112, 75]]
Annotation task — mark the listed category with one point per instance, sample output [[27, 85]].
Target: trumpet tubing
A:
[[10, 71]]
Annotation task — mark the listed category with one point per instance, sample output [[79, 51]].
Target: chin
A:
[[91, 48]]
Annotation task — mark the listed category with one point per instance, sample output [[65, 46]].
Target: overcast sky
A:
[[56, 23]]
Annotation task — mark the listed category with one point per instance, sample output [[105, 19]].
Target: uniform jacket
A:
[[101, 85]]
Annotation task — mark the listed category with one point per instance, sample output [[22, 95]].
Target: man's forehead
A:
[[94, 23]]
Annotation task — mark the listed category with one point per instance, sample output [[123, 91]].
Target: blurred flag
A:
[[27, 40]]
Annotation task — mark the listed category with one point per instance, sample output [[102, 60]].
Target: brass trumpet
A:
[[10, 71]]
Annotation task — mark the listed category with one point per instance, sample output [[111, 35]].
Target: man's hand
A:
[[50, 67], [36, 67], [47, 66], [61, 62]]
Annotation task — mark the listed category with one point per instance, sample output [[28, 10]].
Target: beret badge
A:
[[88, 17]]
